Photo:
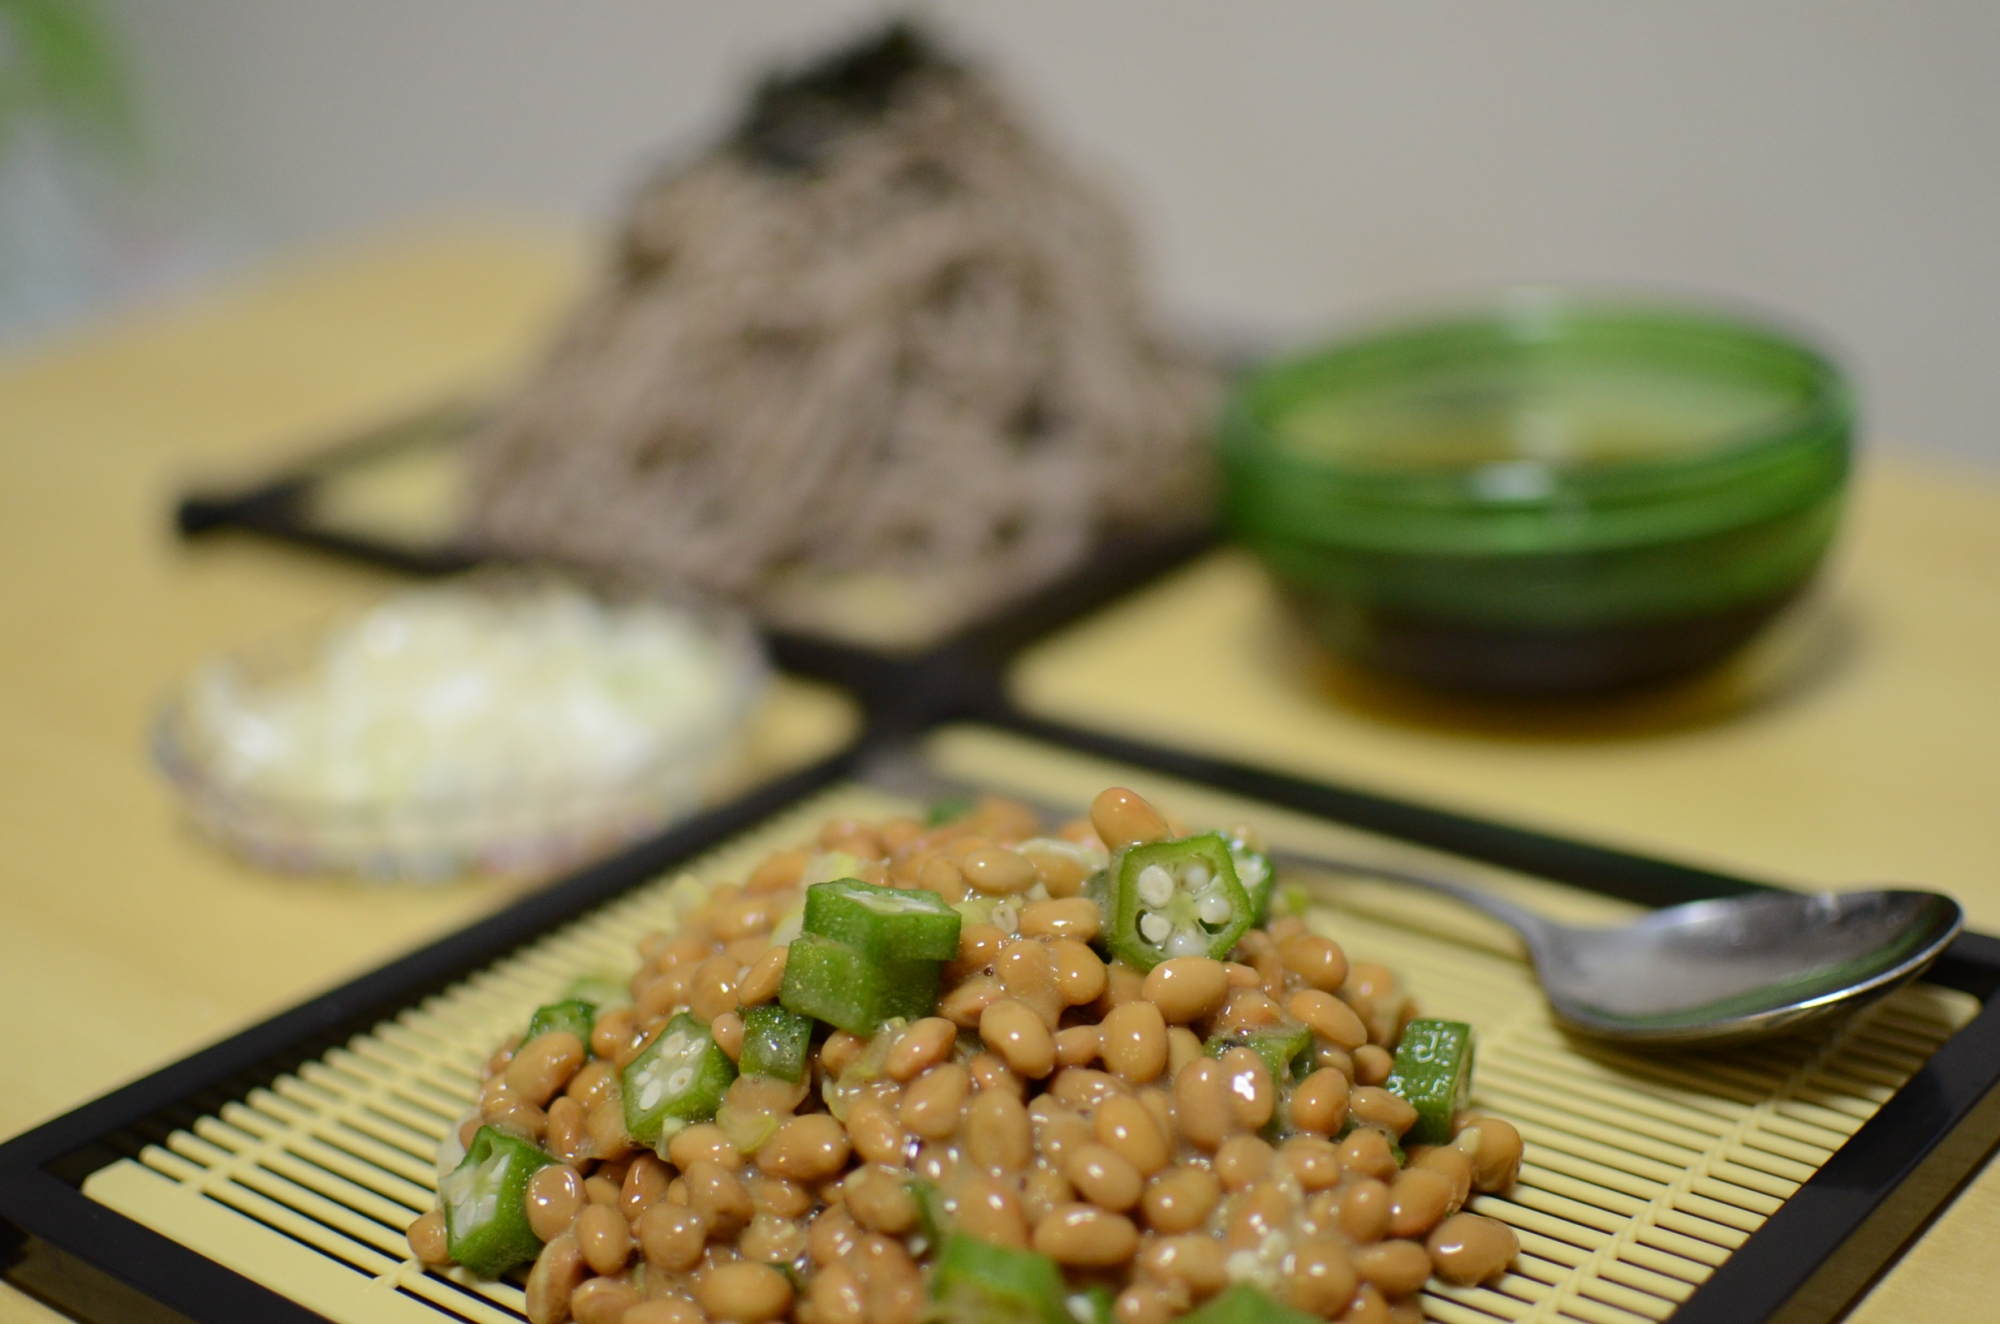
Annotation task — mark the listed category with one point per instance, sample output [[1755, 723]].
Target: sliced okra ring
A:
[[677, 1080], [1244, 1304], [776, 1042], [1433, 1074], [883, 922], [978, 1282], [1256, 872], [1283, 1047], [485, 1203], [1175, 898], [843, 986], [571, 1015]]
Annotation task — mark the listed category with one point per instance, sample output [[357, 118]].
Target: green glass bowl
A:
[[1549, 495]]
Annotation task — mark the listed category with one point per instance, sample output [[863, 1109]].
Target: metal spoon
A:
[[1713, 972]]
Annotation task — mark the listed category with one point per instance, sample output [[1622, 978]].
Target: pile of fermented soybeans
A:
[[1067, 1109]]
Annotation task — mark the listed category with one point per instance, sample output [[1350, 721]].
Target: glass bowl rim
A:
[[1794, 451]]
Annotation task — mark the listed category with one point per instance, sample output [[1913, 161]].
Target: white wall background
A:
[[1291, 164]]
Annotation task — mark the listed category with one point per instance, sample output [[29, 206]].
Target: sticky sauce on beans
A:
[[1117, 1120]]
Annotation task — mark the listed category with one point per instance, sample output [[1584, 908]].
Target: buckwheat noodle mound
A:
[[877, 333]]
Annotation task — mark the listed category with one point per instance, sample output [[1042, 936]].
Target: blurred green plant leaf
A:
[[57, 59]]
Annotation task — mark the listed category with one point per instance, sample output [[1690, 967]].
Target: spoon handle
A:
[[1533, 928]]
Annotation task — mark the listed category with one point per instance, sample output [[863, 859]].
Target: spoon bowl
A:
[[1714, 972]]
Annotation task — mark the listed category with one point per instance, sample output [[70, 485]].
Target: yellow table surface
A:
[[1862, 744]]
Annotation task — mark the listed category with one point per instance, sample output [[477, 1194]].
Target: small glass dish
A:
[[1549, 495], [491, 791]]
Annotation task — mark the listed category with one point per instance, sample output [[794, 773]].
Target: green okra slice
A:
[[978, 1282], [901, 923], [1244, 1304], [602, 991], [1433, 1074], [485, 1203], [1257, 874], [844, 987], [1283, 1047], [776, 1042], [571, 1015], [677, 1080], [1174, 898]]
